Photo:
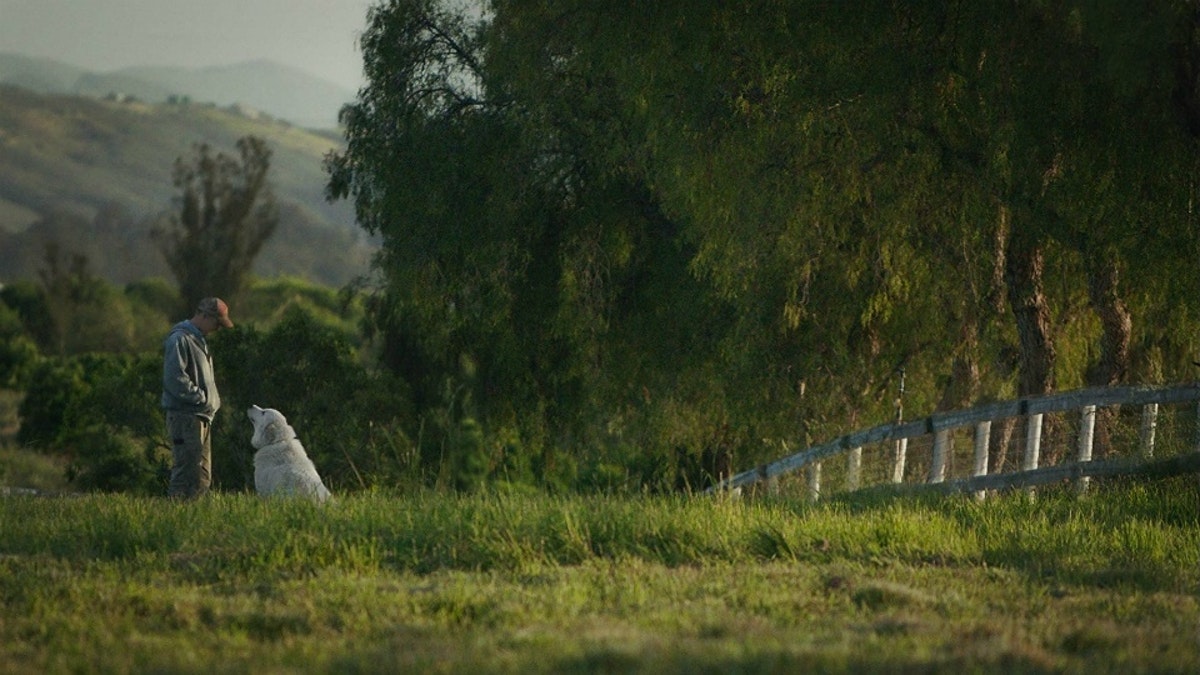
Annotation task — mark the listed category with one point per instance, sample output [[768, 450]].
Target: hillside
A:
[[90, 173], [281, 91]]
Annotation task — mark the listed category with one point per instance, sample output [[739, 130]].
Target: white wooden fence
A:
[[893, 443]]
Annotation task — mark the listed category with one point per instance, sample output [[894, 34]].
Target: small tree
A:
[[85, 313], [225, 213]]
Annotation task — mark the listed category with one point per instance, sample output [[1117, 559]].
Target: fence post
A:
[[1149, 425], [1033, 446], [983, 434], [898, 460], [814, 481], [937, 467], [854, 469], [901, 443], [1033, 441], [1087, 435]]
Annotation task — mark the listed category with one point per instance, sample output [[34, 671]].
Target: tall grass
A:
[[1148, 530], [526, 582]]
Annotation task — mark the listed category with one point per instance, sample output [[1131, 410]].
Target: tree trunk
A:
[[1001, 440], [1112, 368], [1024, 266], [963, 387]]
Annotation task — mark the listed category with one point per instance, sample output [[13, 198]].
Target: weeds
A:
[[534, 583]]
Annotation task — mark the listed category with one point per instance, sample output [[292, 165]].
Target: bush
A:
[[114, 460], [345, 415], [30, 305], [155, 295], [53, 385], [18, 352], [102, 412]]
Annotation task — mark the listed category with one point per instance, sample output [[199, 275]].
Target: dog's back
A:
[[281, 466], [284, 469]]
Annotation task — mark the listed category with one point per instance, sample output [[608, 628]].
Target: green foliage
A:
[[100, 411], [632, 248], [52, 386], [73, 312], [506, 247], [268, 301], [30, 303], [641, 254], [18, 352], [24, 469], [88, 314], [468, 456], [154, 295], [348, 417], [118, 462]]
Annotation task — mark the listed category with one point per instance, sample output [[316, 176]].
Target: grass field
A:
[[520, 582]]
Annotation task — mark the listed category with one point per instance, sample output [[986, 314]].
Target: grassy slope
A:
[[525, 583], [79, 154], [87, 150]]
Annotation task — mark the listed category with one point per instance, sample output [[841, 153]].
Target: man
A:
[[190, 397]]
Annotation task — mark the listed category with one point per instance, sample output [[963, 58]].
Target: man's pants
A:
[[191, 449]]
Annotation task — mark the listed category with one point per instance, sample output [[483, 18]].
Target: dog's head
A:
[[270, 426]]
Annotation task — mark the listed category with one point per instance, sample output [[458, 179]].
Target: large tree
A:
[[690, 226], [224, 214]]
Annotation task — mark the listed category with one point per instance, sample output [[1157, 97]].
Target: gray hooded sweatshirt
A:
[[188, 382]]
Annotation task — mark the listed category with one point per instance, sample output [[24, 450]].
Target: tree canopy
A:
[[703, 231]]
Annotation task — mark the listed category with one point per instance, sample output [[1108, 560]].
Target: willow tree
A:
[[664, 253], [527, 281], [687, 226], [790, 145], [436, 167], [224, 214]]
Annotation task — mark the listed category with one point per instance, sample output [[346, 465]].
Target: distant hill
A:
[[90, 173], [277, 90], [41, 75]]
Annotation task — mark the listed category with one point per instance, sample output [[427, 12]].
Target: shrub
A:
[[102, 411], [18, 352], [114, 460], [53, 385], [30, 305], [309, 371]]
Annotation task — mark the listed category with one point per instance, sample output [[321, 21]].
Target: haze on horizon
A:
[[319, 37]]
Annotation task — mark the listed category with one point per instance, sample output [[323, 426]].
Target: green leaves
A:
[[712, 210]]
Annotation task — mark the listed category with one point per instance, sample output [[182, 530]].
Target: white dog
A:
[[281, 467]]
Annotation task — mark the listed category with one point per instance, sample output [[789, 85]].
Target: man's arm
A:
[[177, 378]]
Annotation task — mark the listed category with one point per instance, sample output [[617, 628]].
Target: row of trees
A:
[[641, 244], [686, 229]]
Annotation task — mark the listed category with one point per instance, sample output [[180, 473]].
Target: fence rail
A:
[[939, 429]]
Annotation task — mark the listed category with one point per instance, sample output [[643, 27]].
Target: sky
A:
[[319, 37]]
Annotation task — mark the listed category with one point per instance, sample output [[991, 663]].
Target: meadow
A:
[[517, 581]]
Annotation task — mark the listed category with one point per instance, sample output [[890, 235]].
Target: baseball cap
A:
[[217, 309]]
